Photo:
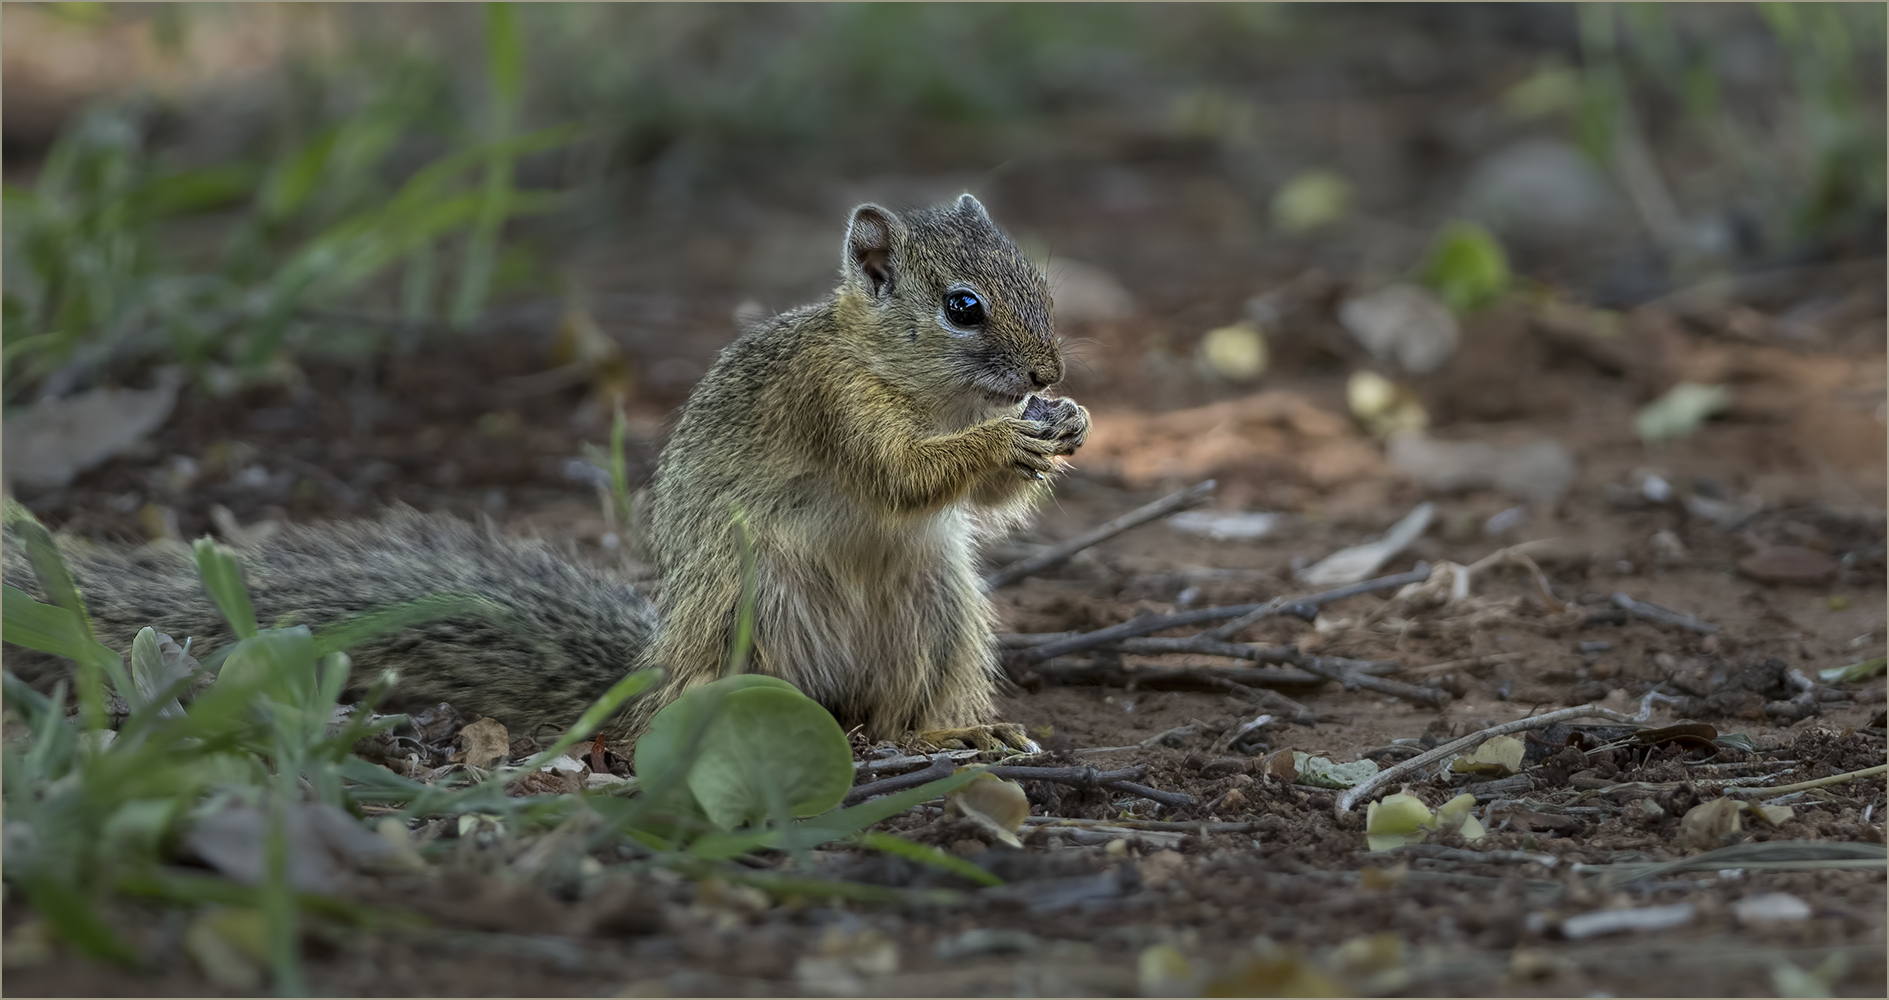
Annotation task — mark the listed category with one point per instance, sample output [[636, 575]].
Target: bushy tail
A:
[[561, 635]]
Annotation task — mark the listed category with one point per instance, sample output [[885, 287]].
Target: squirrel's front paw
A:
[[1032, 452], [1064, 422]]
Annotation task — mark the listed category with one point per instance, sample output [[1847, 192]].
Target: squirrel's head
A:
[[965, 304]]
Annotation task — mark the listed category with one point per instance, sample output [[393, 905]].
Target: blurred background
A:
[[300, 259]]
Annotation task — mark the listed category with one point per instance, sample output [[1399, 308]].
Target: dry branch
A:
[[1304, 607], [1057, 554], [1663, 616], [1396, 771]]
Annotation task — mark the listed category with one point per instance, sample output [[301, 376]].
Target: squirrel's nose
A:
[[1043, 378]]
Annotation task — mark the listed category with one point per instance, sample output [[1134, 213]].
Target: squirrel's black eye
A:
[[963, 308]]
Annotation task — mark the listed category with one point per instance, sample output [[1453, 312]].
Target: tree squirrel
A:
[[867, 443]]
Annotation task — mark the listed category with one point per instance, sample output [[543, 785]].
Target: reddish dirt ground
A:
[[456, 430]]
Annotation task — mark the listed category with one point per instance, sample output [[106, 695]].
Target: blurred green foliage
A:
[[94, 813], [389, 166], [1465, 266], [1809, 155], [109, 261]]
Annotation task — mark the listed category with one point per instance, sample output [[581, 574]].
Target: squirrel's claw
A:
[[995, 736]]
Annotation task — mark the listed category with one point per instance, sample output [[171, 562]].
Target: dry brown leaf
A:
[[482, 744], [1706, 825]]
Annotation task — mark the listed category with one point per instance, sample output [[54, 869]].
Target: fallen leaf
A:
[[1281, 764], [54, 440], [1360, 561], [1500, 756], [1322, 773], [1854, 672], [1705, 826], [1456, 815], [1163, 971], [1384, 408], [1310, 200], [1772, 815], [1466, 266], [1404, 325], [483, 743], [322, 841], [998, 805], [1396, 820], [1236, 352], [1681, 411]]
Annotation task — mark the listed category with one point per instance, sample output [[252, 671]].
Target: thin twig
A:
[[1079, 777], [1304, 607], [943, 767], [1024, 640], [888, 763], [1121, 780], [1333, 668], [1173, 800], [1835, 779], [1152, 676], [1130, 629], [1396, 771], [1275, 606], [1664, 616], [1208, 647], [1057, 554], [1472, 663], [1152, 825]]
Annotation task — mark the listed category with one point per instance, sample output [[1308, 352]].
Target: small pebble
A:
[[1770, 908], [1649, 918], [1596, 647]]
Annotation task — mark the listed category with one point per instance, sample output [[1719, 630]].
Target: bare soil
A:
[[453, 428]]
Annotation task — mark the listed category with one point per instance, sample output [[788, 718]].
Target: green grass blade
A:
[[928, 855], [60, 632], [743, 642], [504, 53], [852, 820], [42, 627], [224, 581], [51, 570], [279, 910]]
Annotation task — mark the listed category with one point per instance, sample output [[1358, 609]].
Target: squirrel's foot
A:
[[995, 736]]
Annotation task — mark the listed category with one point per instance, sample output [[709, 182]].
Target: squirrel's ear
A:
[[971, 206], [870, 240]]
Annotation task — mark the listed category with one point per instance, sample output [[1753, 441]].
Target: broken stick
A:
[[1057, 554], [1304, 607], [1358, 792]]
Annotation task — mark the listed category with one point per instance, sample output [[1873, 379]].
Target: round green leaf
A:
[[661, 746], [768, 745]]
